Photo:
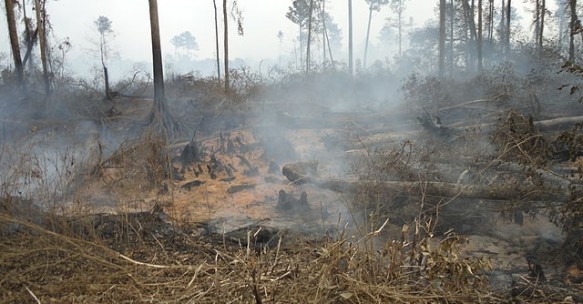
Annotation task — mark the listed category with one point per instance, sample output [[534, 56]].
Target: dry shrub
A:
[[519, 140]]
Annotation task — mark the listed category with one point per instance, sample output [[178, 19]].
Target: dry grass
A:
[[48, 267]]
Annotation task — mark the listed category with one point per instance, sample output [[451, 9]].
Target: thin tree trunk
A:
[[503, 24], [573, 10], [508, 32], [40, 25], [29, 38], [217, 42], [451, 36], [106, 79], [12, 31], [30, 42], [159, 108], [309, 37], [400, 27], [536, 22], [226, 45], [104, 66], [329, 50], [541, 26], [480, 38], [367, 36], [441, 60], [301, 36], [350, 42], [324, 40], [491, 10]]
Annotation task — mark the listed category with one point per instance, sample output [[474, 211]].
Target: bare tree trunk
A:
[[29, 38], [508, 19], [217, 42], [106, 79], [105, 70], [400, 27], [451, 36], [441, 60], [350, 42], [472, 47], [536, 22], [503, 24], [159, 107], [491, 20], [301, 36], [367, 36], [329, 49], [40, 25], [324, 33], [309, 37], [12, 31], [480, 38], [541, 26], [573, 10], [226, 45]]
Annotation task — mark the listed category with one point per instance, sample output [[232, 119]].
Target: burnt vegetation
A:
[[312, 183]]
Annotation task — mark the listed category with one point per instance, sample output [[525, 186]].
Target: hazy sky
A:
[[262, 21]]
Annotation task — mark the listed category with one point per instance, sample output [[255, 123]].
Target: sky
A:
[[263, 19]]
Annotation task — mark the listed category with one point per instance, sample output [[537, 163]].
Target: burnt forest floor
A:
[[219, 220]]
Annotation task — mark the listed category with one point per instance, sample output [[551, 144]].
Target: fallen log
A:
[[335, 120], [489, 192], [554, 124]]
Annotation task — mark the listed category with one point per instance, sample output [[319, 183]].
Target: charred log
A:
[[300, 172], [192, 152], [287, 202], [191, 184], [239, 188]]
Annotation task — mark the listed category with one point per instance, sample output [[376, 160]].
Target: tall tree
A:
[[324, 33], [480, 41], [508, 32], [472, 47], [103, 25], [350, 42], [185, 41], [452, 16], [441, 49], [41, 29], [373, 5], [159, 110], [299, 13], [398, 7], [561, 21], [572, 29], [310, 14], [11, 19], [226, 45], [217, 41], [490, 21], [30, 35], [543, 10], [237, 16]]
